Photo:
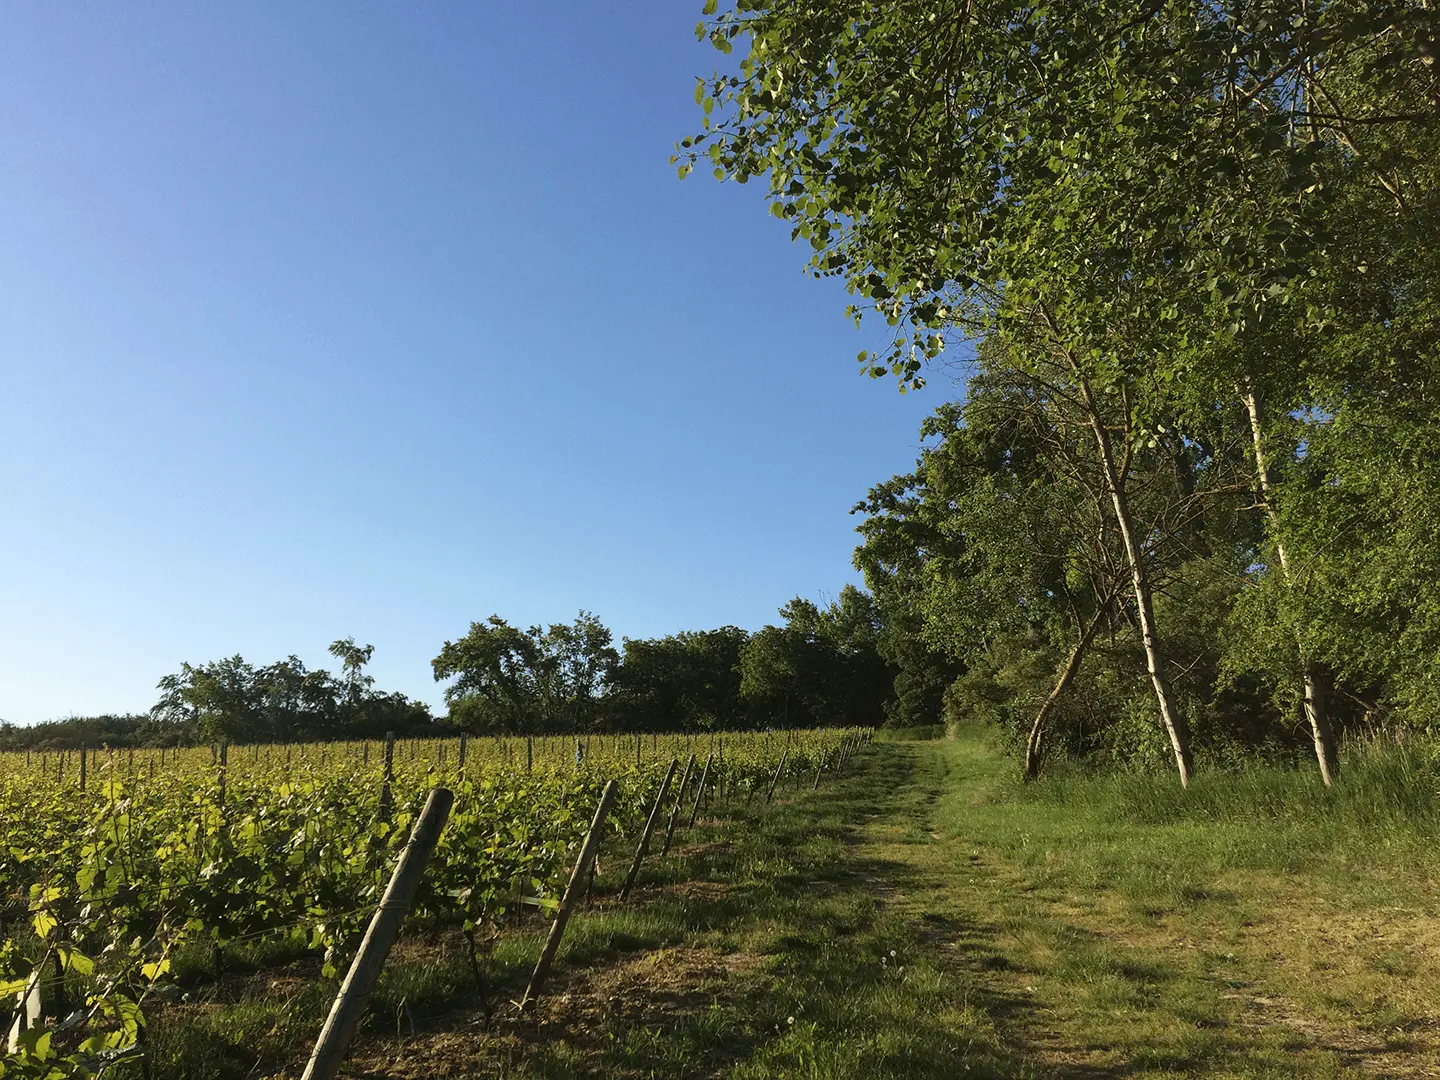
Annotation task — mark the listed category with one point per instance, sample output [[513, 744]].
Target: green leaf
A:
[[77, 962]]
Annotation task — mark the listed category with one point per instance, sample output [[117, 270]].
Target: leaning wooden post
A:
[[818, 770], [384, 927], [679, 799], [222, 768], [388, 778], [572, 894], [649, 828], [700, 792], [784, 754], [29, 1010]]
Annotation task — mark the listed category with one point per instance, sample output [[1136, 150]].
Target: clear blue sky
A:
[[376, 319]]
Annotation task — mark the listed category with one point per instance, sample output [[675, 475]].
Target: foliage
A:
[[686, 681], [822, 667], [73, 732], [1208, 235], [535, 680], [231, 700], [294, 844]]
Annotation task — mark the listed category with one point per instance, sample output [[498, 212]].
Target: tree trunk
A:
[[1317, 710], [1169, 715], [1067, 674]]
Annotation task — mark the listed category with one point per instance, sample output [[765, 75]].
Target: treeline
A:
[[836, 664], [1189, 504], [234, 700]]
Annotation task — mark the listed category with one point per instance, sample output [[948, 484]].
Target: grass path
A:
[[924, 917]]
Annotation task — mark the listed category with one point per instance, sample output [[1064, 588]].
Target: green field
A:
[[929, 917], [924, 915]]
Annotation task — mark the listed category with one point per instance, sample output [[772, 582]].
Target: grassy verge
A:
[[1254, 926], [927, 916]]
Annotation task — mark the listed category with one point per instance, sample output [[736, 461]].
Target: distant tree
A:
[[218, 700], [689, 681], [535, 680], [822, 666], [353, 659], [74, 732], [233, 700], [579, 661]]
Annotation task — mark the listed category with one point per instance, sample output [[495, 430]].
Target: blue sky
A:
[[375, 320]]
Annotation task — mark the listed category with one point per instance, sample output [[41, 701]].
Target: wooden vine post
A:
[[649, 828], [28, 1010], [700, 792], [221, 768], [389, 777], [384, 928], [784, 754], [679, 799], [572, 893]]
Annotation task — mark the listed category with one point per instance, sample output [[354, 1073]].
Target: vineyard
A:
[[113, 864]]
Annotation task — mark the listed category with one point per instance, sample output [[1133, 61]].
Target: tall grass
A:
[[1382, 785], [1158, 845]]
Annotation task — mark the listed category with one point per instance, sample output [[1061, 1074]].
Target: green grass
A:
[[928, 916], [1255, 925]]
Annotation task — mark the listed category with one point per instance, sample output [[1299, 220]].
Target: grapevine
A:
[[101, 884]]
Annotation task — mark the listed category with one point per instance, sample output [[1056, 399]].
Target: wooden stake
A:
[[223, 768], [679, 799], [776, 778], [385, 796], [649, 828], [28, 1010], [572, 893], [384, 927], [700, 792]]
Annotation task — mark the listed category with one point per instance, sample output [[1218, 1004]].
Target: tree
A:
[[689, 680], [580, 662], [1005, 538], [353, 659], [234, 701], [822, 667], [1129, 191], [512, 680]]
